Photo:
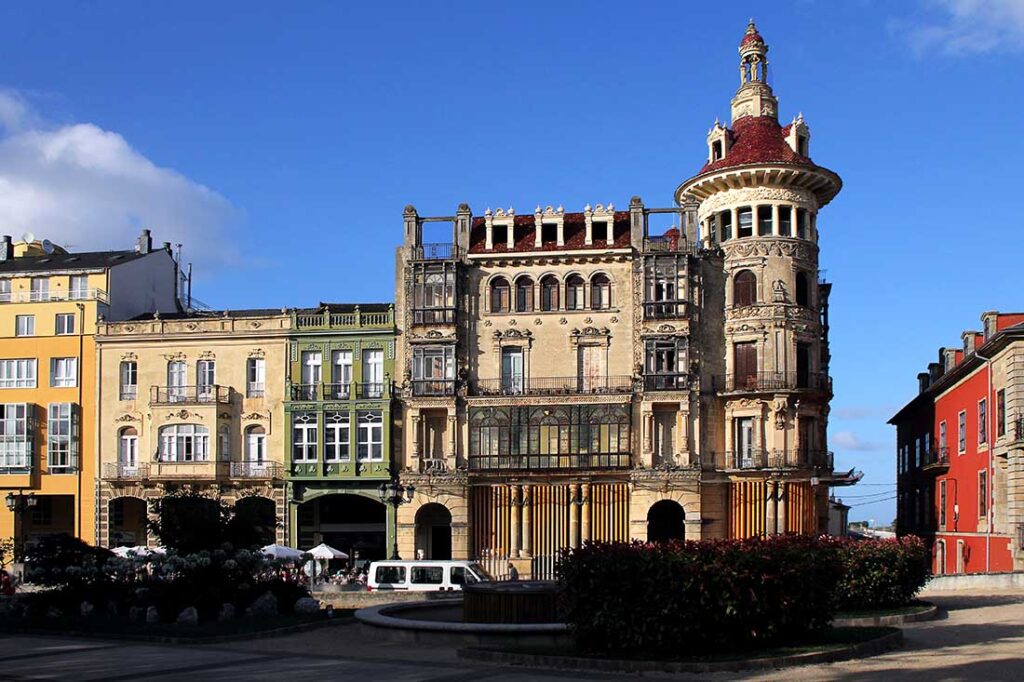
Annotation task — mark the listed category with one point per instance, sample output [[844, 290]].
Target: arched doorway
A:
[[355, 524], [665, 522], [127, 522], [434, 532], [254, 523]]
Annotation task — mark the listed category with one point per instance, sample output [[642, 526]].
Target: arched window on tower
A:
[[499, 295], [803, 289], [744, 289]]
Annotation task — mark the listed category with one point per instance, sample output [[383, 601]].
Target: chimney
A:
[[922, 382], [949, 358], [167, 247], [144, 244], [934, 372], [6, 248]]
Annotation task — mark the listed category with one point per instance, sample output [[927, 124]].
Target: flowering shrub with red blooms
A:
[[689, 598], [880, 574]]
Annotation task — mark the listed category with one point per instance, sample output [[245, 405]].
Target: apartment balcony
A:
[[733, 460], [123, 472], [98, 295], [763, 382], [666, 382], [197, 470], [549, 463], [312, 392], [190, 395], [255, 471], [434, 388], [547, 386], [663, 244], [428, 316], [936, 461], [436, 251], [373, 390], [665, 310]]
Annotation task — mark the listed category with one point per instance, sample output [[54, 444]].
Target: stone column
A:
[[589, 221], [527, 544], [610, 235], [417, 430], [538, 227], [735, 221], [561, 233], [783, 494], [513, 510], [510, 235], [772, 514], [585, 512], [775, 220], [574, 515]]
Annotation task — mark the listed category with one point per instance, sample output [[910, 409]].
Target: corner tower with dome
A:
[[621, 373], [764, 370]]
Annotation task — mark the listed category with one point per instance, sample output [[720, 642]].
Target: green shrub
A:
[[691, 598], [880, 574]]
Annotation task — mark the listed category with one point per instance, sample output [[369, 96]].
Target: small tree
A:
[[187, 521]]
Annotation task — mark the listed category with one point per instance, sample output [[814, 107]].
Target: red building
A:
[[959, 452]]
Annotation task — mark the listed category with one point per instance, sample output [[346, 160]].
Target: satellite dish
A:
[[28, 237], [47, 246]]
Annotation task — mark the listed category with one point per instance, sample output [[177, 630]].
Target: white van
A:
[[424, 576]]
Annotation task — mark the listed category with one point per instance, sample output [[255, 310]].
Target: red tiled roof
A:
[[575, 235], [757, 139]]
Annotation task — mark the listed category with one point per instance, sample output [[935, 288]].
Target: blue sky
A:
[[279, 143]]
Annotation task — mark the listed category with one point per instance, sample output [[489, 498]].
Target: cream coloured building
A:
[[196, 400], [618, 373]]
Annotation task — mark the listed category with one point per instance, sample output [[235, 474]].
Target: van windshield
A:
[[481, 572]]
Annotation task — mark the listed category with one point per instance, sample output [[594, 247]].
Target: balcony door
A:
[[341, 378], [176, 380], [745, 364], [803, 365], [591, 367], [206, 377], [512, 371], [664, 437], [373, 373], [744, 445], [434, 436], [311, 373]]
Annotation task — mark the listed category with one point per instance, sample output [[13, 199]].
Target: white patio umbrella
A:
[[276, 551], [325, 551], [140, 550]]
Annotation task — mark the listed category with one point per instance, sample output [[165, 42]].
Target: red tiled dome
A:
[[751, 36], [757, 139]]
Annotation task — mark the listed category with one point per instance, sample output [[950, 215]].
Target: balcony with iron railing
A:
[[436, 251], [373, 390], [730, 460], [433, 387], [678, 381], [534, 462], [190, 395], [125, 472], [572, 385], [193, 470], [356, 319], [427, 316], [935, 460], [335, 391], [264, 471], [665, 310], [664, 244], [756, 382], [98, 295]]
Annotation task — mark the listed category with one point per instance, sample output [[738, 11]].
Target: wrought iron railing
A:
[[257, 470], [663, 244], [765, 459], [661, 310], [553, 385], [125, 472], [190, 395], [57, 295], [338, 391], [617, 460], [436, 251], [666, 382], [772, 381], [372, 390], [433, 387], [433, 316], [936, 459]]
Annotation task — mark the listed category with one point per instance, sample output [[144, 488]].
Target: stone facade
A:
[[566, 376]]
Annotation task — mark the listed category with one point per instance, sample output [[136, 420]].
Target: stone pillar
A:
[[585, 512], [489, 234], [574, 515], [735, 221], [783, 494], [561, 233], [513, 510], [527, 544], [538, 227], [589, 221], [510, 235], [417, 435], [772, 514], [775, 220], [453, 427]]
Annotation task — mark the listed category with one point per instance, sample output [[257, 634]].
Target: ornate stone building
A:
[[572, 376]]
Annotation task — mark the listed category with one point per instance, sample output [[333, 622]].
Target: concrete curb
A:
[[880, 645], [928, 612], [171, 639]]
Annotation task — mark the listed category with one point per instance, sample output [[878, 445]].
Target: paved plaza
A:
[[980, 637]]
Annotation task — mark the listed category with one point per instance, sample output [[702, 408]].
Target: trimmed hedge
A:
[[879, 574], [687, 598], [714, 596]]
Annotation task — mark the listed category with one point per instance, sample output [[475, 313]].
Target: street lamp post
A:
[[18, 505], [395, 494]]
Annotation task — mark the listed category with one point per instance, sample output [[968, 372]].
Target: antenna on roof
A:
[[47, 246]]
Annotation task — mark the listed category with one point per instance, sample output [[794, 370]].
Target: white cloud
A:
[[847, 440], [969, 26], [85, 186]]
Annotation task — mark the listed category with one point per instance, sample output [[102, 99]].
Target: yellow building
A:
[[191, 400], [50, 303]]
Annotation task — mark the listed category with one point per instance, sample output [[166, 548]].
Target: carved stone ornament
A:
[[254, 416], [257, 353], [127, 418], [537, 321], [666, 328], [751, 195], [174, 357], [779, 291], [183, 414], [563, 321], [129, 357], [615, 320], [207, 355], [767, 246], [225, 415], [780, 414], [191, 326], [255, 324]]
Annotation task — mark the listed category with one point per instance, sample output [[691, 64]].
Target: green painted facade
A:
[[338, 416]]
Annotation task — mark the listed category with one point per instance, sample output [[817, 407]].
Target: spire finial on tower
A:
[[753, 77]]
